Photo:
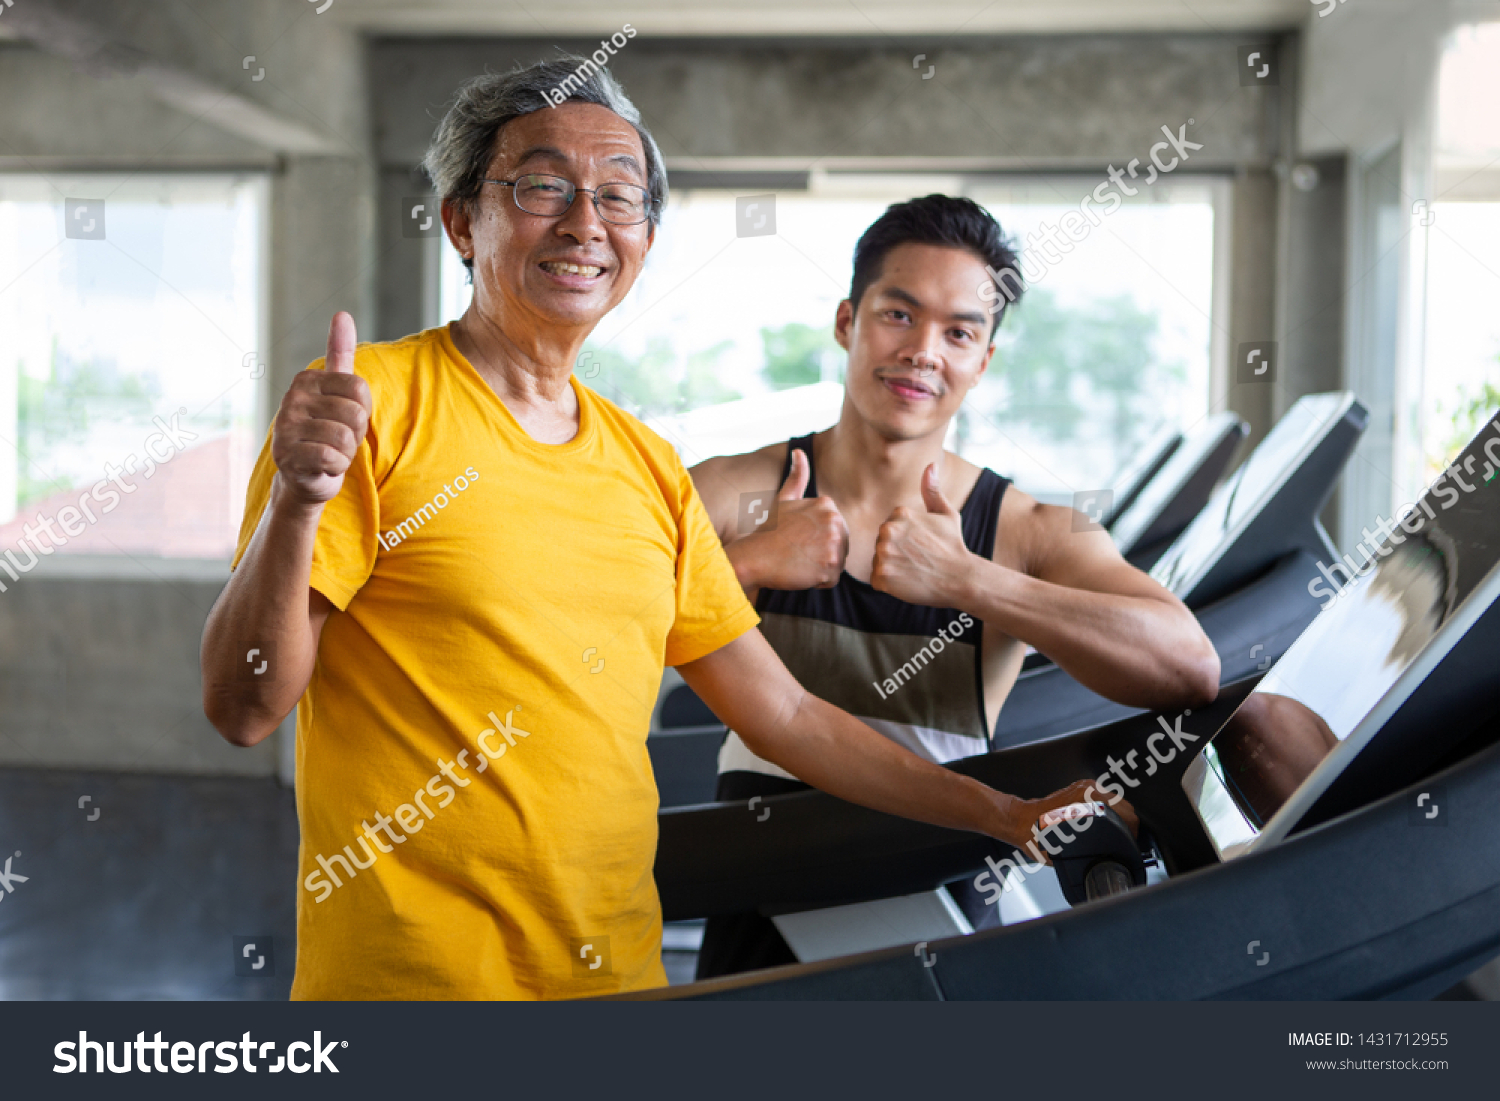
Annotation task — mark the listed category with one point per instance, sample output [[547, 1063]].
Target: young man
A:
[[902, 583]]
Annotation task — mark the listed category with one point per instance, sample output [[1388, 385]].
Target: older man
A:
[[470, 570]]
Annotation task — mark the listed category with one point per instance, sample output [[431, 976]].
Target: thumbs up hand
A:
[[322, 421], [804, 547], [920, 557]]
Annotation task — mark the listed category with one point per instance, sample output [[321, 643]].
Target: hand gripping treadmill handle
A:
[[1099, 857], [813, 850]]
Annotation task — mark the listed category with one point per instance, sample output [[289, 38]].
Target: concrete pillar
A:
[[322, 259], [1252, 292]]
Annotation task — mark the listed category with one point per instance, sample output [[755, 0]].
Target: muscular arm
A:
[[1106, 623], [747, 686]]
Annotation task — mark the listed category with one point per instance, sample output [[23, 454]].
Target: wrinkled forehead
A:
[[571, 137]]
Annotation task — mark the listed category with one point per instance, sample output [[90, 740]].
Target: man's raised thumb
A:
[[932, 493], [796, 479], [341, 341]]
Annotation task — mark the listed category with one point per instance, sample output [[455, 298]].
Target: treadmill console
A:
[[1336, 694], [1249, 491], [1167, 503], [1139, 472]]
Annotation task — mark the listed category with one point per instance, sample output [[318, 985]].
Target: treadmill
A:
[[1134, 478], [1327, 831], [1151, 509], [1244, 566], [1177, 491]]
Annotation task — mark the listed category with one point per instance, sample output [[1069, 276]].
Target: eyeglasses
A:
[[619, 204]]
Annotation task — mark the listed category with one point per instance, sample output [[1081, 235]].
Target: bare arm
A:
[[267, 604], [1106, 623], [1074, 598], [1133, 648], [794, 543], [747, 686]]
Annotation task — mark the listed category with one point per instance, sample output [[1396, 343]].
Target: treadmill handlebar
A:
[[1092, 850], [814, 850]]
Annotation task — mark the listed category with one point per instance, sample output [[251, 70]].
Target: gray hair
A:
[[465, 140]]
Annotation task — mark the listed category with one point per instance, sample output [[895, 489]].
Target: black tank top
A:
[[910, 671]]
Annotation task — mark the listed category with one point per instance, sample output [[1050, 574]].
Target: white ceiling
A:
[[774, 18]]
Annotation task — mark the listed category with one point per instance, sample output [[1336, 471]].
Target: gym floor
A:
[[144, 886]]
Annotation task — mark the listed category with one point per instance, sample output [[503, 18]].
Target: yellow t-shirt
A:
[[481, 699]]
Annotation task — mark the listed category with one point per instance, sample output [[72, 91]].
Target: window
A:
[[1461, 372], [1463, 332], [1111, 342], [726, 343], [130, 323]]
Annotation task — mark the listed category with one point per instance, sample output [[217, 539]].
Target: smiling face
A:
[[918, 342], [564, 271]]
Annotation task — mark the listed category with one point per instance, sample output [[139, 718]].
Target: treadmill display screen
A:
[[1248, 490], [1147, 464], [1371, 630], [1158, 493]]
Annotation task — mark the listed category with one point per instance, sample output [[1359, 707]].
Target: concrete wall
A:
[[1011, 105], [103, 671], [1023, 103], [110, 120]]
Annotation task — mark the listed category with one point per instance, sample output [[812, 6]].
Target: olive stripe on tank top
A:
[[843, 666]]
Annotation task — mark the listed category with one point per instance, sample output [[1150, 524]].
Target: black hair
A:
[[939, 220]]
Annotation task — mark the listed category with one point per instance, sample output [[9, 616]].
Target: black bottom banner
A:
[[762, 1050]]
